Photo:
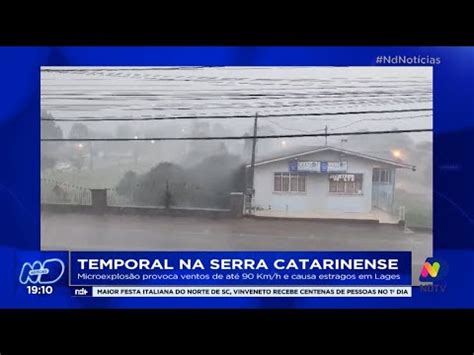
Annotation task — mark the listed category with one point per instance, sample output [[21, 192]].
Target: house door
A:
[[375, 194], [382, 188]]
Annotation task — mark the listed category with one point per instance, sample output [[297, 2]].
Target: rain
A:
[[171, 148]]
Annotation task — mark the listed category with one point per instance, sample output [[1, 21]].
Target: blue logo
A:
[[45, 272], [293, 165], [324, 166]]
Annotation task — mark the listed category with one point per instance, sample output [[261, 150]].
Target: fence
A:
[[53, 191], [62, 197], [172, 194]]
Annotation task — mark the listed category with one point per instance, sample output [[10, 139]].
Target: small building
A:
[[326, 182]]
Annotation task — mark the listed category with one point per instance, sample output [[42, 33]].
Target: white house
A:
[[325, 181]]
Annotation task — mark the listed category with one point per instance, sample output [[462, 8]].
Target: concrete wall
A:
[[317, 197]]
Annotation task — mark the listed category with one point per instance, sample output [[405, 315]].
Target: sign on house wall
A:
[[318, 166], [342, 177]]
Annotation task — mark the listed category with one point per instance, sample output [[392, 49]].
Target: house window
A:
[[382, 175], [348, 184], [289, 182], [341, 186], [286, 181], [301, 183], [293, 183], [277, 182]]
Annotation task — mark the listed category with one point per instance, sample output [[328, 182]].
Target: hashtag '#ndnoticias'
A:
[[403, 59]]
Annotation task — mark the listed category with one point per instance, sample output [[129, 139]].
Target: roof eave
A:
[[360, 155]]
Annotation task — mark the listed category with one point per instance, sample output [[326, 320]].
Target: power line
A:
[[233, 97], [233, 137], [350, 124], [294, 129], [380, 119], [63, 70], [83, 119], [106, 74], [235, 104]]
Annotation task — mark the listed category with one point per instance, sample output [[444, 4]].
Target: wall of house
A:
[[317, 197]]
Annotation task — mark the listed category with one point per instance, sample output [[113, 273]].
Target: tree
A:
[[197, 150], [207, 184], [49, 150], [239, 178], [78, 131], [213, 179], [128, 184], [151, 188], [47, 162], [49, 129], [78, 159], [168, 197]]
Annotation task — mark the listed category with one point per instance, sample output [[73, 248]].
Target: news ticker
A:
[[210, 291]]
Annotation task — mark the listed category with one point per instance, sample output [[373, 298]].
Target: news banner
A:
[[221, 274]]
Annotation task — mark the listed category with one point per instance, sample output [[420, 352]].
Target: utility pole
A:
[[91, 152], [252, 164], [167, 196], [326, 135]]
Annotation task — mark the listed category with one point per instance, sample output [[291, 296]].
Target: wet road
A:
[[111, 232]]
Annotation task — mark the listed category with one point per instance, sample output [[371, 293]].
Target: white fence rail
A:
[[53, 191]]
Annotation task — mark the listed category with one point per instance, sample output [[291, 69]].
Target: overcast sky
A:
[[134, 92]]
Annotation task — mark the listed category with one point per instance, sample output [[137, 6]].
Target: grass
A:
[[418, 208]]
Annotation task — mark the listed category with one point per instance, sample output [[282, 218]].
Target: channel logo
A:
[[82, 291], [433, 270], [45, 272]]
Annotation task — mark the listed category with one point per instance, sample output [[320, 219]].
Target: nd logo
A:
[[44, 272], [433, 270]]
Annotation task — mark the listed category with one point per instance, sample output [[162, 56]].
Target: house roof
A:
[[397, 164]]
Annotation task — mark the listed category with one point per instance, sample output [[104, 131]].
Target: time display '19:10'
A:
[[39, 290]]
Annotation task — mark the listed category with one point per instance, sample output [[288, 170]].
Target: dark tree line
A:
[[206, 184]]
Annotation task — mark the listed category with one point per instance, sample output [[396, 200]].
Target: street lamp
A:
[[397, 153]]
